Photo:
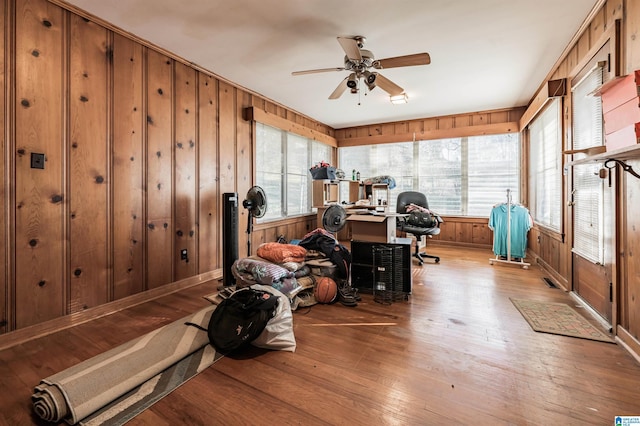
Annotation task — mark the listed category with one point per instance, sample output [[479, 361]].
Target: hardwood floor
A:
[[458, 352]]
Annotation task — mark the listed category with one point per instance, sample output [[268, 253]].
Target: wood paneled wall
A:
[[553, 250], [468, 231], [139, 148], [5, 189], [450, 126]]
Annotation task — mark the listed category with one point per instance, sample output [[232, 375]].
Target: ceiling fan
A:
[[363, 65]]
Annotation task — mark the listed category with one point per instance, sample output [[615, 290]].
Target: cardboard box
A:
[[377, 228]]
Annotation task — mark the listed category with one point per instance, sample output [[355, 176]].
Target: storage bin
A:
[[323, 173]]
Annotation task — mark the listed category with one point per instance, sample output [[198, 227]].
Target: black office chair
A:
[[419, 199]]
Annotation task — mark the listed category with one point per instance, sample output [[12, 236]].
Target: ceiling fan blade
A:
[[404, 61], [317, 71], [388, 86], [350, 47], [340, 89]]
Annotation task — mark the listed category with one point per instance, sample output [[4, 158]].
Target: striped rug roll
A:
[[85, 388]]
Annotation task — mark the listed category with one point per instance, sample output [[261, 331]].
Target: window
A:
[[283, 160], [460, 176], [588, 188], [545, 179]]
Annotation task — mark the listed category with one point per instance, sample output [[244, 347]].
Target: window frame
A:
[[548, 173], [412, 180], [588, 241], [286, 174]]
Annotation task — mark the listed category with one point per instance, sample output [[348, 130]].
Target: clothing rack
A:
[[508, 260]]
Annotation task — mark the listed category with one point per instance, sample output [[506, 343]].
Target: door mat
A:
[[558, 318]]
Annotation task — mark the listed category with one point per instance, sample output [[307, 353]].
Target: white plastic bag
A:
[[278, 334]]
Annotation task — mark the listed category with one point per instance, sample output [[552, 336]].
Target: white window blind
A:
[[270, 168], [545, 178], [588, 188], [298, 162], [493, 166], [282, 162], [441, 175], [460, 176], [393, 160]]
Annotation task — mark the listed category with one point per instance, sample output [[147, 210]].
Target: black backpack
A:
[[325, 243], [240, 318], [422, 219]]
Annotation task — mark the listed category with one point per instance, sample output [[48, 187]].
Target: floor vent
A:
[[549, 283]]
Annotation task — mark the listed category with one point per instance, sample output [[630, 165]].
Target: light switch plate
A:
[[37, 160]]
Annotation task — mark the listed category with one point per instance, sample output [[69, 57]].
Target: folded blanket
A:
[[281, 253], [248, 271]]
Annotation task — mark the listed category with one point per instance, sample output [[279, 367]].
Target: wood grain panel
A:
[[447, 231], [302, 228], [128, 168], [186, 182], [481, 234], [209, 253], [464, 232], [227, 149], [401, 127], [5, 164], [631, 294], [40, 197], [632, 36], [597, 25], [227, 142], [459, 125], [159, 170], [89, 178], [584, 44], [614, 10], [244, 165], [590, 281]]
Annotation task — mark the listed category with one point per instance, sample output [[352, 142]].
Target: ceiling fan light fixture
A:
[[352, 82], [402, 98], [370, 79]]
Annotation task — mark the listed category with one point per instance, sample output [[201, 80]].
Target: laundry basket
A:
[[387, 274]]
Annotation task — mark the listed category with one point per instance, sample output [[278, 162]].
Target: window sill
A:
[[627, 153], [613, 158]]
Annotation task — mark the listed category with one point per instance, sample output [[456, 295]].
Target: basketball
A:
[[326, 290]]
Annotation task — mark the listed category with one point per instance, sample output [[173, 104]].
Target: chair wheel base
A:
[[421, 256]]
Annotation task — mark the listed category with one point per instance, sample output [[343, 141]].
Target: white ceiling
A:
[[485, 54]]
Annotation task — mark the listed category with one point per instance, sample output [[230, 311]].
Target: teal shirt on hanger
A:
[[520, 225]]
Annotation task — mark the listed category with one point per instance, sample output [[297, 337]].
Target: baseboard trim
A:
[[627, 341], [595, 314], [22, 335], [436, 242]]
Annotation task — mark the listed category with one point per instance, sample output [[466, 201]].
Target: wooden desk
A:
[[352, 210]]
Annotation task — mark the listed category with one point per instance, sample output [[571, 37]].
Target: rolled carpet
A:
[[75, 393]]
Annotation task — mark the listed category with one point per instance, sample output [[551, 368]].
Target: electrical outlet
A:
[[37, 160]]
